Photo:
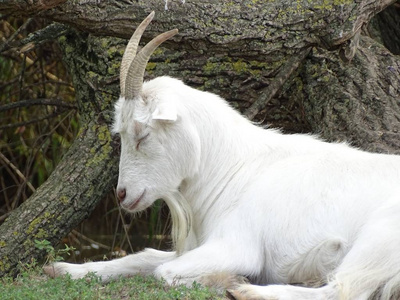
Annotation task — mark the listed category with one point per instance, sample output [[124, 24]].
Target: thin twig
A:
[[29, 62], [269, 92], [21, 76], [8, 169], [84, 237], [41, 36], [123, 223], [8, 83], [4, 190], [17, 171], [12, 125], [40, 101], [116, 228], [3, 217], [6, 44], [42, 74], [48, 135]]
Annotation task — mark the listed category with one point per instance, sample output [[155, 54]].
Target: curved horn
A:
[[134, 78], [130, 51]]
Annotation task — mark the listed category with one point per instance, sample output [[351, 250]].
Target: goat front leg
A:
[[140, 263], [214, 264]]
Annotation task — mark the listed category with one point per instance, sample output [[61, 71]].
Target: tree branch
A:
[[25, 8], [270, 91], [51, 32], [215, 22]]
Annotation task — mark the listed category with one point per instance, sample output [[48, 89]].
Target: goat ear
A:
[[165, 113]]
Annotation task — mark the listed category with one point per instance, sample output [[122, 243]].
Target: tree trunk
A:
[[256, 54]]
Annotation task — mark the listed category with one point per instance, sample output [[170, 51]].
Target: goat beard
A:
[[183, 236]]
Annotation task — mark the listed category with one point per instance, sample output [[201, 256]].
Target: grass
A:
[[33, 284]]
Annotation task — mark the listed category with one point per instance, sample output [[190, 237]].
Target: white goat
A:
[[246, 201]]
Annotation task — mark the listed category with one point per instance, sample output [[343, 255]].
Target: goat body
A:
[[245, 201]]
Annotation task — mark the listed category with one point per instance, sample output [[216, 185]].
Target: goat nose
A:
[[121, 193]]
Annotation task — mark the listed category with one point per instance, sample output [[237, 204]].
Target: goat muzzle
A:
[[121, 194]]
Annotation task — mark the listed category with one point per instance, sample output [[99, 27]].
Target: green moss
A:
[[4, 263], [329, 4], [352, 18], [104, 138], [325, 78], [103, 134], [42, 234], [209, 68], [240, 66], [158, 51], [69, 49], [106, 100], [91, 75], [342, 2], [64, 200], [104, 43], [35, 225], [114, 69], [299, 8], [299, 84], [2, 243], [112, 51], [254, 68], [32, 226], [28, 244], [150, 66]]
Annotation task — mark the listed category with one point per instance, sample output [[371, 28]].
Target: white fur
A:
[[278, 209]]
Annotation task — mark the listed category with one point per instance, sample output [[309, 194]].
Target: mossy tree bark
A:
[[301, 65]]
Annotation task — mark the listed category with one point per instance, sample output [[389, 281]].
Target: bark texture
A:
[[268, 29], [301, 65], [358, 102]]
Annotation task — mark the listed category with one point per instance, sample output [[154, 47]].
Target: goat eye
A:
[[141, 140]]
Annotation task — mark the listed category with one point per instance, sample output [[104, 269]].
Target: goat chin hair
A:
[[182, 216]]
